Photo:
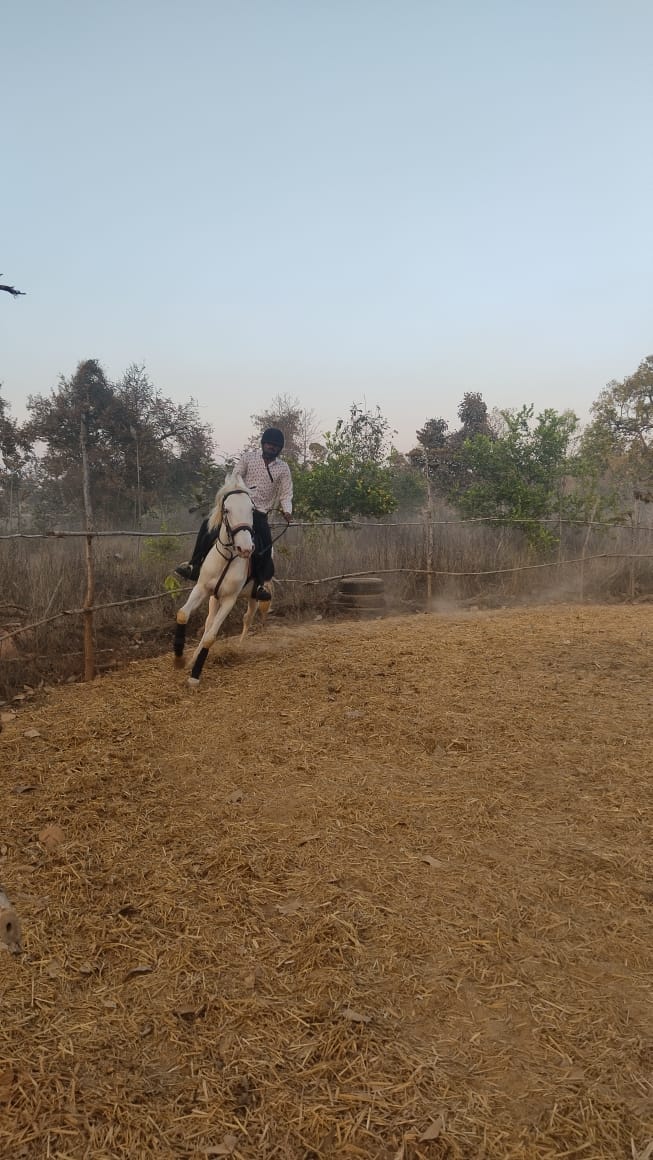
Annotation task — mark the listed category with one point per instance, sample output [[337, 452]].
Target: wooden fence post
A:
[[634, 528], [87, 613], [429, 534], [584, 553]]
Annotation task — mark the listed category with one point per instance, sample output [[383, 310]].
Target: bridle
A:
[[231, 531]]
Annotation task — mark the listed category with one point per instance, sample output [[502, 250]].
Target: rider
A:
[[269, 480]]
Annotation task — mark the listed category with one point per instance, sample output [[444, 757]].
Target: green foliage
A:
[[354, 477], [173, 584], [619, 441], [407, 481], [520, 475], [440, 453], [16, 459], [160, 548], [142, 448]]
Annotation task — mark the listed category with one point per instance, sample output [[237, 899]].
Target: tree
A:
[[619, 441], [298, 424], [142, 447], [166, 448], [440, 452], [407, 481], [473, 415], [354, 476], [521, 475], [15, 457], [55, 421], [12, 290]]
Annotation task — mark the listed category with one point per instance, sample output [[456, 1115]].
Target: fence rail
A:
[[55, 534], [169, 593], [426, 521]]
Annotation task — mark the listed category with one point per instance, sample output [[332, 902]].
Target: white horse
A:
[[224, 575]]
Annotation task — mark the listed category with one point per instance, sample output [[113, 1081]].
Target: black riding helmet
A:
[[274, 436]]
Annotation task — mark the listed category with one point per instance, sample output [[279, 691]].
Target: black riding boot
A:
[[203, 544]]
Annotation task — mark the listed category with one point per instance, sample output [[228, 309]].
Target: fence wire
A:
[[172, 593]]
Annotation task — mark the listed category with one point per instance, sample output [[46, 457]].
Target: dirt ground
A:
[[378, 889]]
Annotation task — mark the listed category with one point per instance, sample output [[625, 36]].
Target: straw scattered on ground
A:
[[378, 889]]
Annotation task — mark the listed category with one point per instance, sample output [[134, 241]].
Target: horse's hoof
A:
[[193, 682], [179, 663]]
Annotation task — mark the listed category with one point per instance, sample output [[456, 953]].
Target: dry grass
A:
[[379, 890], [40, 578]]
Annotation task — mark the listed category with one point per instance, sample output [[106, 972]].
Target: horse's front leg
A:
[[214, 622], [183, 616]]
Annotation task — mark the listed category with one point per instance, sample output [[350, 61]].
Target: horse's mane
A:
[[233, 482]]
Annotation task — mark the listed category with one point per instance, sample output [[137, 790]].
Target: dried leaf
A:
[[140, 969], [355, 1016], [290, 907], [435, 862], [235, 797], [7, 717], [189, 1013], [434, 1130], [18, 789], [54, 968], [308, 838], [51, 837], [32, 733], [226, 1148], [127, 911]]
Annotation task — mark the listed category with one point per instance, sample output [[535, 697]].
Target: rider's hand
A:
[[287, 516]]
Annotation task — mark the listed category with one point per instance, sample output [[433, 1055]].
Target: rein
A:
[[269, 548]]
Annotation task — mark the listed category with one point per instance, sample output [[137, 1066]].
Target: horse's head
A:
[[233, 510]]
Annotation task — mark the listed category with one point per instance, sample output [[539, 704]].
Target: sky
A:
[[384, 202]]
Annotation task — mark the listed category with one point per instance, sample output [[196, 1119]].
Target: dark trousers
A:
[[262, 562], [205, 540]]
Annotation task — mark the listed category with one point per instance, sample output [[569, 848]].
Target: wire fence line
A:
[[55, 534], [172, 593], [426, 521]]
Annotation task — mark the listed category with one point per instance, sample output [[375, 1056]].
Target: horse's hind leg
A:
[[265, 606], [250, 613]]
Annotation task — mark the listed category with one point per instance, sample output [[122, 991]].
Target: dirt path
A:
[[377, 890]]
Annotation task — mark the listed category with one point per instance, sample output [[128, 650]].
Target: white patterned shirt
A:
[[267, 492]]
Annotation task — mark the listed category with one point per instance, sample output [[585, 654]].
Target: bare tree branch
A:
[[11, 290]]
